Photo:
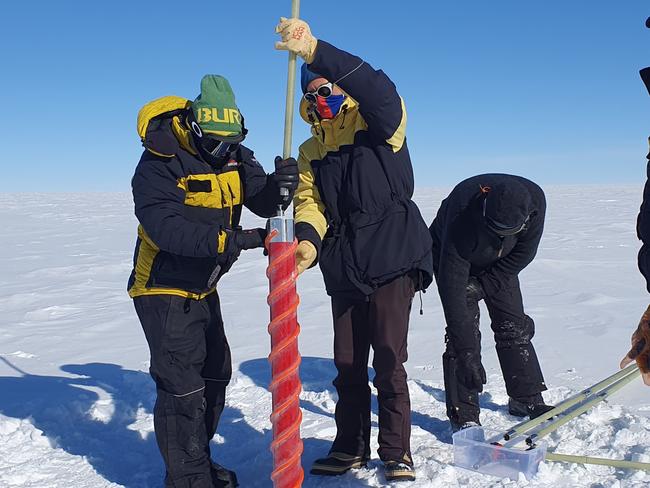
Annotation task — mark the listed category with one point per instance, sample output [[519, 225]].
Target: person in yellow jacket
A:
[[354, 215], [189, 187]]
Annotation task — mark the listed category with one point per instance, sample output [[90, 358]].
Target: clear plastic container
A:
[[473, 450]]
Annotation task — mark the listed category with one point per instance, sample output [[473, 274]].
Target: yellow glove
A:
[[305, 256], [296, 38], [640, 351]]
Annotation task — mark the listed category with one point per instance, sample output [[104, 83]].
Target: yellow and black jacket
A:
[[353, 201], [184, 205]]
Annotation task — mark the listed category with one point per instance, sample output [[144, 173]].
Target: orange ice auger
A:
[[284, 329], [284, 358]]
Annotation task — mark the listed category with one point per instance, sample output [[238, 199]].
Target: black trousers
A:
[[513, 331], [191, 365], [381, 321]]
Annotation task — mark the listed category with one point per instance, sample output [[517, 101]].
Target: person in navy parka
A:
[[485, 233]]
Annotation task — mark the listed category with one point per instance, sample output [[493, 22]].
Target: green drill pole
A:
[[583, 407], [527, 425], [291, 89], [616, 463]]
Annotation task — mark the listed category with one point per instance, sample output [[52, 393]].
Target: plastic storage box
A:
[[473, 450]]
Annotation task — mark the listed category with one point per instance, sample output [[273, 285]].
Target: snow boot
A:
[[455, 427], [337, 463], [401, 470], [531, 406], [222, 477]]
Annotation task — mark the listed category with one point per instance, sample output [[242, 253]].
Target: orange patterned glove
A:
[[296, 38]]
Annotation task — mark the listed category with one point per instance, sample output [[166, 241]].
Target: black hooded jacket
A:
[[643, 220], [464, 246]]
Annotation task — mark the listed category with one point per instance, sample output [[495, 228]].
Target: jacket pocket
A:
[[377, 244], [181, 272], [333, 267]]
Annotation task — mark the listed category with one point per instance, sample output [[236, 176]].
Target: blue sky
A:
[[546, 89]]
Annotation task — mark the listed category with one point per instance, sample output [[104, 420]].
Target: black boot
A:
[[455, 427], [222, 477], [337, 463], [531, 406]]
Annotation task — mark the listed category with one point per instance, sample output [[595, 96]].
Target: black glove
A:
[[248, 238], [474, 289], [469, 370], [237, 240], [286, 175]]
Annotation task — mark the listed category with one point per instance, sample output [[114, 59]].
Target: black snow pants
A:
[[513, 331], [380, 321], [190, 363]]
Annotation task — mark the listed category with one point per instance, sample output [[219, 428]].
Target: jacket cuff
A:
[[319, 51], [332, 62], [489, 282], [222, 241], [306, 232]]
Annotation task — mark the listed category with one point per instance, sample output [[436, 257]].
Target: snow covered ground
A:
[[76, 399]]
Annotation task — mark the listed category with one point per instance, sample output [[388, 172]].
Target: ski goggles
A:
[[216, 147], [503, 229], [325, 90]]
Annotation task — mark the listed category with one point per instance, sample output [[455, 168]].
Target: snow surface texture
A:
[[76, 398]]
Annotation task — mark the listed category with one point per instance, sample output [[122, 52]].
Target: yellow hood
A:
[[156, 144], [156, 108]]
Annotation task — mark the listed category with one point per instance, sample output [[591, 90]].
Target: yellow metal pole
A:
[[567, 458]]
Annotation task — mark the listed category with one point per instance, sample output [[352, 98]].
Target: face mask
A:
[[328, 107]]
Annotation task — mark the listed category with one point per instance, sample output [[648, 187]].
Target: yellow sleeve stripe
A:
[[308, 206], [221, 244], [397, 139], [159, 154]]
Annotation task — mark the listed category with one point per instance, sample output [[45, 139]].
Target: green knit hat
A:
[[215, 109]]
